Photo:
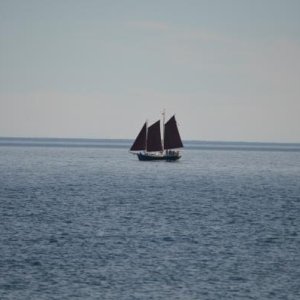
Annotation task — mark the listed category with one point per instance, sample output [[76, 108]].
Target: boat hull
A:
[[165, 157]]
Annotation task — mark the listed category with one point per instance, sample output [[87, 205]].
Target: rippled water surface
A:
[[95, 223]]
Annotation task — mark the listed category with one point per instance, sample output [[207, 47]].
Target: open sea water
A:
[[87, 220]]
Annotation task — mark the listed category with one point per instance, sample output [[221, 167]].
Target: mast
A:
[[146, 139], [164, 115]]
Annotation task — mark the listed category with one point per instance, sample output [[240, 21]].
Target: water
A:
[[92, 222]]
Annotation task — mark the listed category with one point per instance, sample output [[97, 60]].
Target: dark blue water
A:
[[95, 223]]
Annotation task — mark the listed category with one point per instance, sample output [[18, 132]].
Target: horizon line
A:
[[131, 139]]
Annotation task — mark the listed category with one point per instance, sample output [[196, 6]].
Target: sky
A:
[[229, 70]]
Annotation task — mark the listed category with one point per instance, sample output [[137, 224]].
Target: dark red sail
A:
[[154, 138], [171, 137], [140, 141]]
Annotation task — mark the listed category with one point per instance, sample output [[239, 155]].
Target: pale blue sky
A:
[[229, 70]]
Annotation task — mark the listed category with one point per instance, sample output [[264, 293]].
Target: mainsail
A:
[[171, 135], [154, 138], [140, 141]]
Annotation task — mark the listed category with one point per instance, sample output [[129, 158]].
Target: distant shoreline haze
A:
[[126, 143]]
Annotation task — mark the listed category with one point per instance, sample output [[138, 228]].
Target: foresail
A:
[[154, 138], [172, 138], [140, 142]]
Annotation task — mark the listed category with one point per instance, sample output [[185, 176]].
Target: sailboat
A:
[[148, 145]]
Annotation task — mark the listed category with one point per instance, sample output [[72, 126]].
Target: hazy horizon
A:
[[99, 69], [132, 139]]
